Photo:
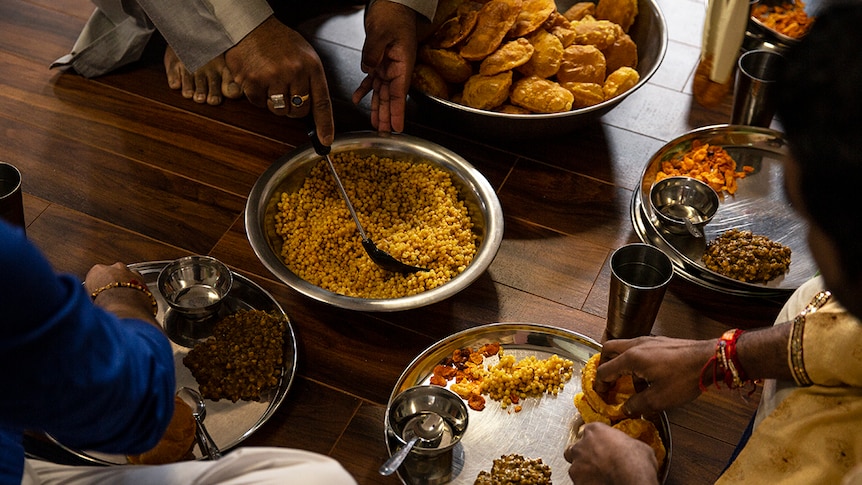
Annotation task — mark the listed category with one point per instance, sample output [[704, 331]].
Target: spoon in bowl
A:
[[379, 256], [199, 411], [426, 428]]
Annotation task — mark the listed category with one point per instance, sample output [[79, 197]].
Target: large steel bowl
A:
[[289, 172], [649, 32]]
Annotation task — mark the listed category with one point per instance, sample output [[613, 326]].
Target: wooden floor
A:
[[120, 168]]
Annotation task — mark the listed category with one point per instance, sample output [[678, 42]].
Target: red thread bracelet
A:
[[725, 364]]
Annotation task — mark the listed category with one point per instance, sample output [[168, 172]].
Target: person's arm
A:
[[676, 369], [828, 348], [79, 372], [388, 57]]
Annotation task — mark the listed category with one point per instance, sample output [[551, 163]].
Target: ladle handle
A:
[[319, 147], [323, 151], [396, 459], [205, 441]]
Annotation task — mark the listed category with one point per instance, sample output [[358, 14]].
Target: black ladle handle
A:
[[319, 147]]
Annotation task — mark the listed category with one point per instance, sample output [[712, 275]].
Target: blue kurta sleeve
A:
[[72, 369]]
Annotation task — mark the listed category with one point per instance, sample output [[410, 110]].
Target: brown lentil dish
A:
[[410, 210], [515, 469], [243, 357], [747, 257]]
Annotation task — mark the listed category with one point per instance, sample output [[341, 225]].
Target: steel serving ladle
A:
[[199, 411], [379, 256], [427, 428]]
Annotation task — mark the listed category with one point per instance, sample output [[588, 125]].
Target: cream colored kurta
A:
[[810, 434]]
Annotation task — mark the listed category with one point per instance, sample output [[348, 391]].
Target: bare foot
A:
[[208, 84]]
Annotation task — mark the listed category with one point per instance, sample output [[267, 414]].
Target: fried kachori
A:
[[582, 64], [485, 48], [494, 21], [177, 441], [609, 409], [509, 56]]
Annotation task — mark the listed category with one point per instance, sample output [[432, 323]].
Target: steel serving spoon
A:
[[379, 256], [199, 411], [427, 428]]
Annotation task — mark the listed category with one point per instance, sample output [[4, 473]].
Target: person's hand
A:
[[275, 59], [123, 302], [388, 56], [604, 455], [209, 84], [670, 366]]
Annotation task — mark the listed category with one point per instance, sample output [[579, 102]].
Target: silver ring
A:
[[277, 101], [297, 101]]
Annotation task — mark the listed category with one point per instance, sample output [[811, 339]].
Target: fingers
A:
[[322, 109], [363, 89]]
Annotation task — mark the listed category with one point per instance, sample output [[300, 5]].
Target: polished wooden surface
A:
[[121, 168]]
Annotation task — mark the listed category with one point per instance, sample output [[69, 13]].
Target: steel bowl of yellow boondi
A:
[[422, 203]]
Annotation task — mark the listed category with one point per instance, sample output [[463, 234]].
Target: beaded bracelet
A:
[[725, 364], [134, 284]]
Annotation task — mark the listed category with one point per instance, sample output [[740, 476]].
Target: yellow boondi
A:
[[410, 210]]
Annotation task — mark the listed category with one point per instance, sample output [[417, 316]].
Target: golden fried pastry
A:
[[447, 9], [532, 15], [512, 109], [487, 92], [561, 28], [620, 12], [547, 57], [582, 64], [510, 55], [622, 53], [620, 81], [541, 95], [644, 430], [429, 81], [585, 94], [177, 442], [588, 414], [600, 33], [457, 28], [495, 19], [449, 64], [613, 410], [580, 10]]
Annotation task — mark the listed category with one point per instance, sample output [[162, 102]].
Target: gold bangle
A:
[[133, 285], [794, 345]]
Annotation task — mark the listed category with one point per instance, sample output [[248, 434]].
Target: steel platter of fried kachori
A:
[[242, 359], [609, 409], [525, 56]]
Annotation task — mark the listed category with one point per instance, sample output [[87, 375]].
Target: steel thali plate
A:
[[542, 429], [759, 205], [228, 423]]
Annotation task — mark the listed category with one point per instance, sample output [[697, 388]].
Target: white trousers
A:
[[252, 465]]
